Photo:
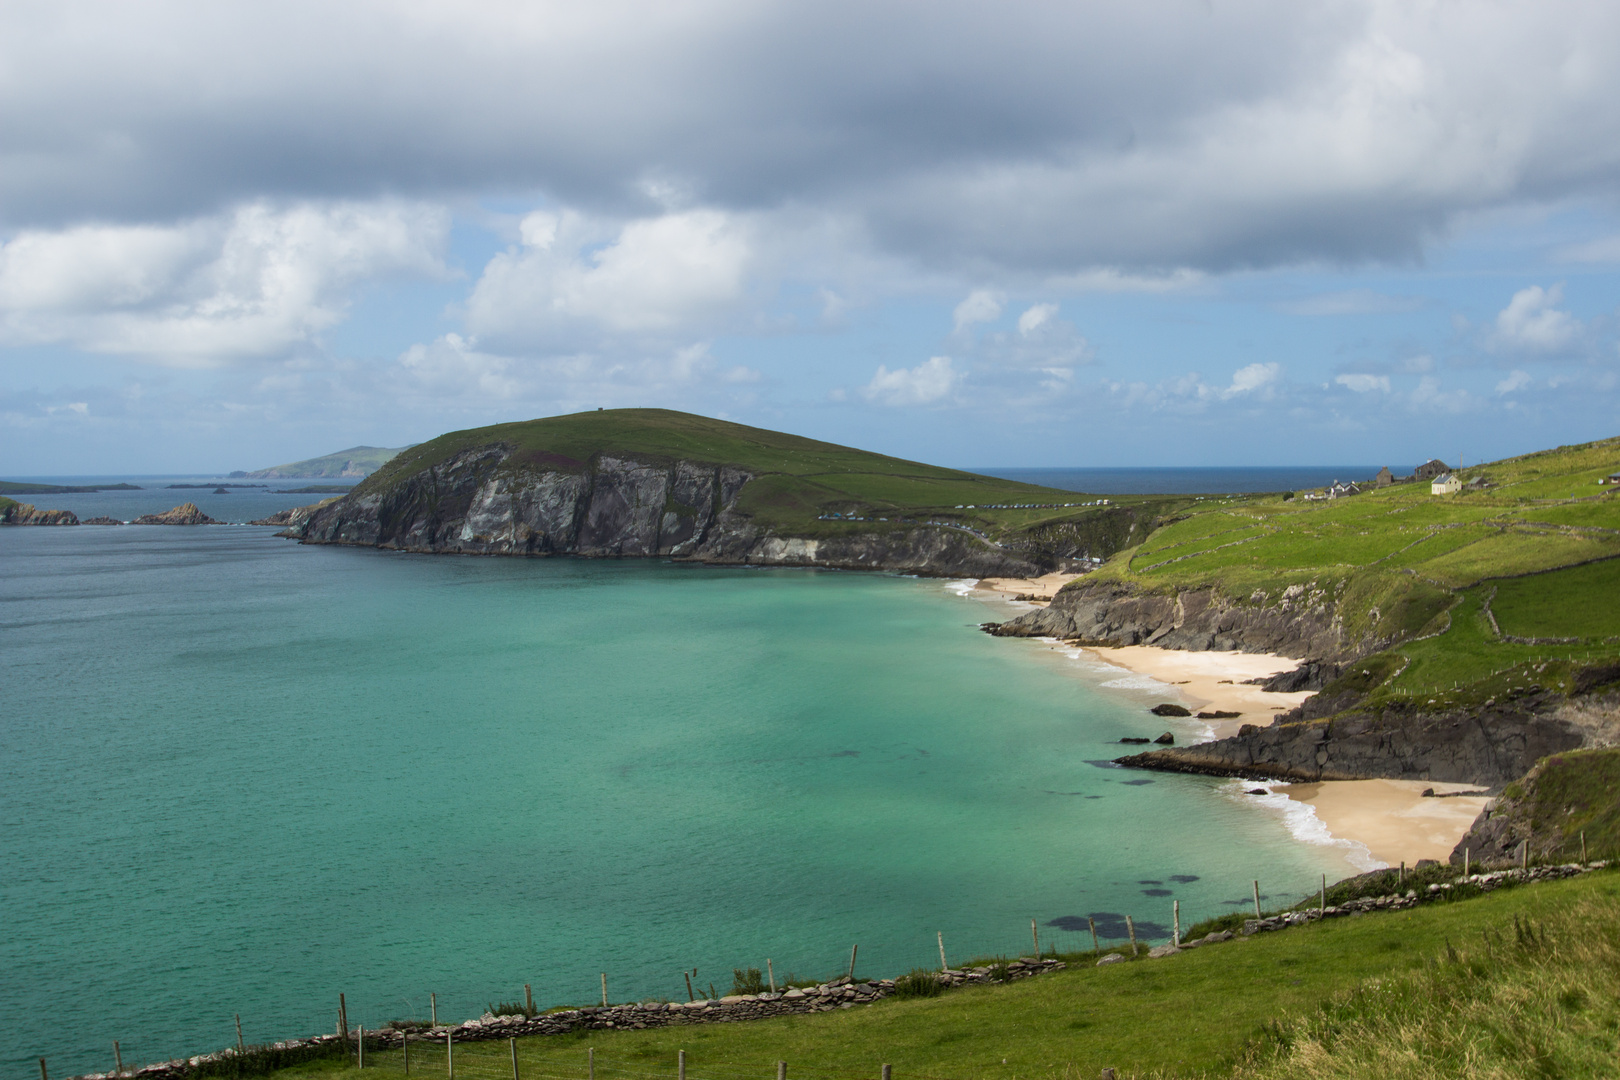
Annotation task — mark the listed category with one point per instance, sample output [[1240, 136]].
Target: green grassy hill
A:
[[356, 461], [799, 483], [1518, 982], [1478, 593]]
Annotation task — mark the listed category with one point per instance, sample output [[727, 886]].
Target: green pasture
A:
[[1215, 1011]]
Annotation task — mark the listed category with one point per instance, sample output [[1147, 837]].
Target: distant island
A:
[[356, 462], [12, 487]]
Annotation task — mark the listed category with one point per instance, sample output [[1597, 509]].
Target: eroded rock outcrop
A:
[[489, 500], [26, 514], [184, 514], [1477, 746]]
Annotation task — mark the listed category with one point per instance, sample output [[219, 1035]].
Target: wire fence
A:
[[520, 1059]]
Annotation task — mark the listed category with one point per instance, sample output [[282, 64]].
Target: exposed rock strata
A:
[[490, 501], [293, 516], [184, 514], [1491, 746], [1301, 623], [25, 514]]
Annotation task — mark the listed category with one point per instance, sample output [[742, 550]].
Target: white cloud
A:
[[654, 276], [256, 282], [1363, 383], [1429, 397], [1516, 381], [927, 382], [1246, 380], [1035, 318], [1532, 322], [981, 305]]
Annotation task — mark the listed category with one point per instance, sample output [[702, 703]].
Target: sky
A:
[[1162, 232]]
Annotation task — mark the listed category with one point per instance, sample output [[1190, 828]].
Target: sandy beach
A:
[[1392, 818], [1042, 588], [1212, 681]]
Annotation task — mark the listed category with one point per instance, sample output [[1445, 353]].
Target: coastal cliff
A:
[[1302, 623], [497, 500]]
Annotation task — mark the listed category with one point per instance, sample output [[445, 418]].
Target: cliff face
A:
[[1300, 624], [489, 501], [1564, 808]]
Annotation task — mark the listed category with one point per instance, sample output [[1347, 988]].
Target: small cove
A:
[[243, 775]]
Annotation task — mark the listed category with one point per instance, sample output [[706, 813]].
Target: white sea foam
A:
[[962, 588], [1137, 682], [1301, 821]]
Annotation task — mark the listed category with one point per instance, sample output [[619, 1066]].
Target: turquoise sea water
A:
[[240, 776]]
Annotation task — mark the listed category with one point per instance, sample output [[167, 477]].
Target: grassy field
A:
[[1538, 549], [799, 482], [1456, 978]]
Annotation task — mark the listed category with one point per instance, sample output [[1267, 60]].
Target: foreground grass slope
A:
[[1447, 989], [798, 481]]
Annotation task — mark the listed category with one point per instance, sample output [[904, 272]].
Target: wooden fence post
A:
[[449, 1054], [1035, 934], [943, 966], [1257, 899], [42, 1075], [1467, 858], [360, 1046], [852, 950], [1583, 847], [1096, 948], [514, 1058], [680, 1064], [1175, 914], [434, 998], [343, 1019], [771, 972], [604, 989], [1524, 855], [528, 999], [887, 1074], [781, 1070], [689, 995], [118, 1059], [1130, 927], [1322, 905], [405, 1050], [590, 1063], [241, 1047]]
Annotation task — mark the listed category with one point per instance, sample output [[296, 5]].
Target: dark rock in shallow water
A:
[[1135, 741], [1166, 739], [101, 521], [1257, 791], [1168, 709], [1218, 715]]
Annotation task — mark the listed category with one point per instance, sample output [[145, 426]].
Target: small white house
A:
[[1445, 484]]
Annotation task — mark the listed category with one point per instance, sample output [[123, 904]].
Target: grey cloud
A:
[[1014, 138]]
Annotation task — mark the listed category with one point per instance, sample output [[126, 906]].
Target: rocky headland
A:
[[494, 500], [1335, 734]]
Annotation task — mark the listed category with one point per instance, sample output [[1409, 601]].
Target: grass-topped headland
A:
[[658, 482], [797, 481]]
